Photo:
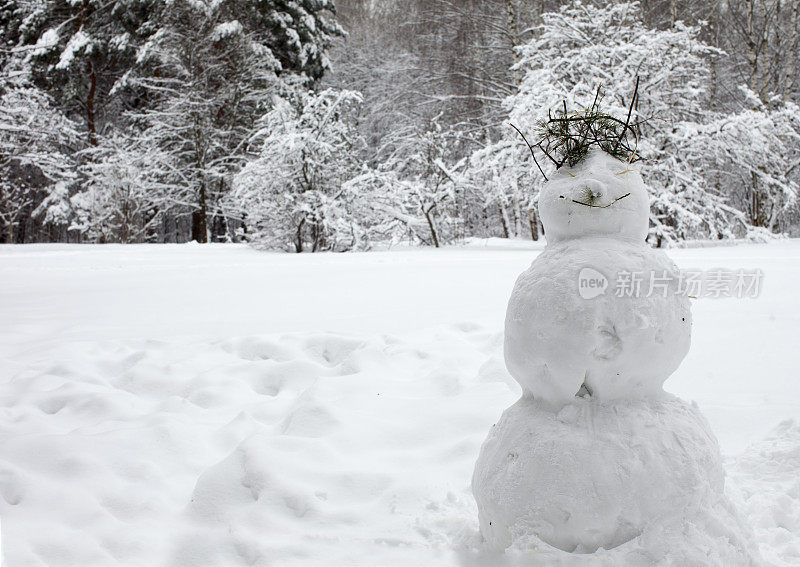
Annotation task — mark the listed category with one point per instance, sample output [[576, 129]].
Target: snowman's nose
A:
[[593, 191]]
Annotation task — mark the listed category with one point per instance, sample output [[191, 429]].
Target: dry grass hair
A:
[[566, 137]]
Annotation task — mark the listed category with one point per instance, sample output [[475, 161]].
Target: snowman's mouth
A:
[[600, 206]]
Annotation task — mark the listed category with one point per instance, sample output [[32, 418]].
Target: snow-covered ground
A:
[[215, 405]]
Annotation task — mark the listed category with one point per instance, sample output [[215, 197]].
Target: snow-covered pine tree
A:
[[80, 49], [214, 68], [11, 19], [300, 33]]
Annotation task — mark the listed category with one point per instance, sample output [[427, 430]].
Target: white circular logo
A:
[[591, 283]]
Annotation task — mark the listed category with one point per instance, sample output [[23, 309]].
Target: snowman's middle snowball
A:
[[557, 339]]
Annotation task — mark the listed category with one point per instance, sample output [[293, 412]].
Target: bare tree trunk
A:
[[752, 50], [124, 229], [755, 205], [773, 216], [91, 126], [533, 223], [756, 41], [716, 22], [790, 57], [503, 222], [317, 238], [298, 243], [200, 217], [431, 225], [517, 216], [535, 14], [513, 37]]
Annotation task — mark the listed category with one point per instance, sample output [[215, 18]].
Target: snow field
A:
[[186, 405], [290, 450]]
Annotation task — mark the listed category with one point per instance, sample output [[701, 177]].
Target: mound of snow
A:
[[597, 475]]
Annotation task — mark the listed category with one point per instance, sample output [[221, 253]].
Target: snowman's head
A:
[[600, 196]]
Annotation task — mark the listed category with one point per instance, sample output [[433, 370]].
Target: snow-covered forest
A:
[[303, 126]]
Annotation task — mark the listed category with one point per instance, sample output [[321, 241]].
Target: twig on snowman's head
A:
[[566, 137], [545, 152], [531, 149], [630, 109]]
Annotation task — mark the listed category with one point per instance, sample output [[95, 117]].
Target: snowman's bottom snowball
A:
[[594, 474]]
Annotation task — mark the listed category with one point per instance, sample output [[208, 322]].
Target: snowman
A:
[[595, 454]]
